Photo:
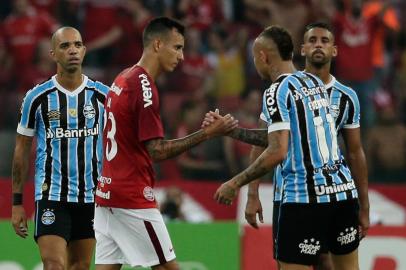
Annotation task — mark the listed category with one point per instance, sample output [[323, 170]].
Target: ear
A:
[[263, 56], [302, 52], [157, 43], [84, 50], [335, 51], [52, 54]]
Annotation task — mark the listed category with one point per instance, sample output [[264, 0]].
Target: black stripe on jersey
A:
[[301, 115], [43, 99], [351, 113], [34, 106], [342, 105], [344, 179], [63, 108], [81, 150], [94, 100]]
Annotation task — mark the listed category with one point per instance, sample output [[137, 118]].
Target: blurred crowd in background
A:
[[218, 71]]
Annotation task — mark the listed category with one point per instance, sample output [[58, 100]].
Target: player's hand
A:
[[19, 221], [220, 125], [363, 218], [226, 193], [252, 209], [209, 118]]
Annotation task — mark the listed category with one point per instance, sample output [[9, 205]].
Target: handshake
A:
[[216, 125]]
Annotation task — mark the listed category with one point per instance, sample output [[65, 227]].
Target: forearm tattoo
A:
[[264, 163], [164, 149], [256, 137]]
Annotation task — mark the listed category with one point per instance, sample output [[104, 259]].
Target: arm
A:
[[273, 155], [254, 205], [358, 166], [20, 174], [160, 149], [256, 137]]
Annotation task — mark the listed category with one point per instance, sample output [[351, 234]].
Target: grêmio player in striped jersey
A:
[[65, 114], [319, 49], [317, 184]]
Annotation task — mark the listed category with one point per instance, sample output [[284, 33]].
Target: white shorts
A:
[[137, 237]]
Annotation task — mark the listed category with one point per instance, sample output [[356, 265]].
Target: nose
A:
[[72, 50], [181, 57]]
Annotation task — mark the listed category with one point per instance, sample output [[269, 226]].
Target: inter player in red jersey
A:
[[128, 226]]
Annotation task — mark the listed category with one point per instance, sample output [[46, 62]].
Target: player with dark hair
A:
[[319, 49], [65, 113], [129, 228], [317, 184]]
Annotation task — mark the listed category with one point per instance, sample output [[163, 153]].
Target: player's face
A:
[[68, 51], [318, 47], [171, 51]]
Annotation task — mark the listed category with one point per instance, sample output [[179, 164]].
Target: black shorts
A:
[[306, 230], [71, 221]]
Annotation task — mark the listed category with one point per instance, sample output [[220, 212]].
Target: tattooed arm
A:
[[160, 149], [274, 154], [20, 175], [256, 137]]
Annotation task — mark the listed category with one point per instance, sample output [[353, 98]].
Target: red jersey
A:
[[23, 32], [132, 118]]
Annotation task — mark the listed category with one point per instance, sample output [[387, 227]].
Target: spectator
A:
[[171, 207], [23, 29], [205, 161], [386, 142], [237, 152]]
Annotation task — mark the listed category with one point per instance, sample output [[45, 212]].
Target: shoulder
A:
[[39, 90], [97, 86], [345, 90]]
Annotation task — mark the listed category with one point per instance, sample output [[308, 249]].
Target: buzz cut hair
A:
[[160, 27], [322, 25], [282, 39]]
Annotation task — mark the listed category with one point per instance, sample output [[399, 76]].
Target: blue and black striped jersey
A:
[[68, 126], [314, 170]]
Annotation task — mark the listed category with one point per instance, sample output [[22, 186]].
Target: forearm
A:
[[358, 166], [163, 149], [256, 137], [254, 185], [20, 164]]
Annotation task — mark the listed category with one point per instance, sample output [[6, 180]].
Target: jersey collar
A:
[[74, 92]]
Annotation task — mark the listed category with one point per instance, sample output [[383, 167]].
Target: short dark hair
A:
[[160, 26], [318, 25], [282, 39]]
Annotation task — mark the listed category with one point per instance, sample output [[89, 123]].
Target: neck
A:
[[282, 68], [323, 72], [149, 63], [69, 81]]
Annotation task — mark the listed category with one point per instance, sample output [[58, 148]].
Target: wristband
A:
[[17, 198]]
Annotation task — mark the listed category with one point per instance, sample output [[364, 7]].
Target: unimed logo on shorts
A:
[[309, 247]]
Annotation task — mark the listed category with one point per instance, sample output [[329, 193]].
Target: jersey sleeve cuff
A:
[[279, 126], [25, 131], [351, 126]]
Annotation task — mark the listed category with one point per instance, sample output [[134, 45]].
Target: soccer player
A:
[[319, 49], [128, 226], [317, 184], [65, 113]]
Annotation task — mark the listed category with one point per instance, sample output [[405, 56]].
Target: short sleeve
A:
[[28, 115], [275, 107], [354, 115]]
